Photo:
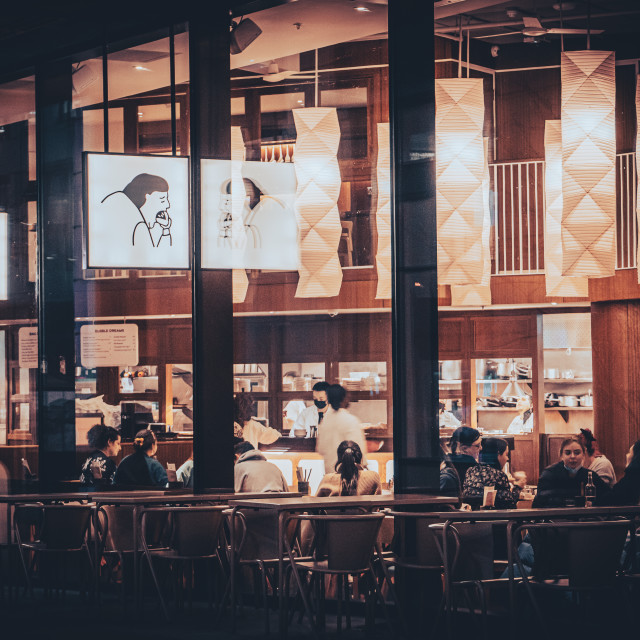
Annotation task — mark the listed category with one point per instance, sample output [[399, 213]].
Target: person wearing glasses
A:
[[465, 445]]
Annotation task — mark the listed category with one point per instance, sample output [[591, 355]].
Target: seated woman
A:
[[350, 477], [246, 427], [465, 448], [489, 473], [595, 460], [141, 469], [185, 473], [563, 482], [627, 489], [98, 469]]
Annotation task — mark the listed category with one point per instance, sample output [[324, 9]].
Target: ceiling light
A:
[[138, 67], [363, 9], [140, 114]]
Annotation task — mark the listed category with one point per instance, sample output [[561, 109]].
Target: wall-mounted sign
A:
[[137, 211], [28, 347], [108, 345], [248, 216]]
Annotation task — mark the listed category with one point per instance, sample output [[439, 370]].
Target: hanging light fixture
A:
[[459, 176], [556, 283], [513, 389], [239, 279], [318, 176], [383, 213], [479, 294], [588, 163]]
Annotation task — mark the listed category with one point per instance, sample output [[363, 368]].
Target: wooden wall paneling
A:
[[633, 342], [503, 335], [524, 457], [614, 397], [177, 344], [524, 100], [622, 286], [452, 337], [625, 108]]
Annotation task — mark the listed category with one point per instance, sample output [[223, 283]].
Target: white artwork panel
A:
[[137, 211]]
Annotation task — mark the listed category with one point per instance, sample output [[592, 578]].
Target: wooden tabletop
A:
[[121, 498], [289, 503]]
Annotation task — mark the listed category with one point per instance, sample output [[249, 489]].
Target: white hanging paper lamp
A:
[[383, 213], [239, 279], [556, 283], [459, 176], [588, 163], [318, 176], [479, 294]]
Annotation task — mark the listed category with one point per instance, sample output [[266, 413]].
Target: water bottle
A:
[[589, 491]]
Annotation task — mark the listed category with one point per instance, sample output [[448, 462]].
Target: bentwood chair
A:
[[53, 531], [194, 537], [344, 546], [577, 558]]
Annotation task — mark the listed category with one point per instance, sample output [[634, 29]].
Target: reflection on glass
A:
[[363, 376], [251, 377], [138, 379]]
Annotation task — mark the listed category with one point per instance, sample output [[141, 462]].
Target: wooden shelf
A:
[[567, 380]]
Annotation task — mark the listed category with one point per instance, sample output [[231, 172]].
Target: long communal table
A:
[[281, 507], [514, 518]]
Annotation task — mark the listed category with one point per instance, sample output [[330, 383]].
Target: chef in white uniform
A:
[[523, 422], [312, 416]]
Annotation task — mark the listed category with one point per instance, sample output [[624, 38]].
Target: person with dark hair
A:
[[564, 481], [246, 427], [595, 460], [311, 417], [149, 195], [627, 489], [99, 469], [465, 445], [350, 477], [141, 469], [338, 425], [489, 473], [253, 473]]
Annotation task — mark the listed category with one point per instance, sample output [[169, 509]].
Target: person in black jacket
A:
[[465, 444], [563, 482], [627, 489]]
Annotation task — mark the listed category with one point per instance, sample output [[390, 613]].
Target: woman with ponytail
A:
[[141, 469], [350, 477]]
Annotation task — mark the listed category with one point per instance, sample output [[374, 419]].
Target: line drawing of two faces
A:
[[150, 195]]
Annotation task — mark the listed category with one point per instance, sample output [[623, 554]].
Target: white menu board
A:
[[248, 215], [108, 345], [28, 347], [137, 211]]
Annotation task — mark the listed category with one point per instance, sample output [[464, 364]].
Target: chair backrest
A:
[[414, 542], [27, 520], [587, 553], [120, 527], [475, 551], [196, 530], [65, 526], [350, 539]]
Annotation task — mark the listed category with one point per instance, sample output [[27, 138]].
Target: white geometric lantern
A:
[[383, 213], [318, 175], [556, 283], [459, 176], [479, 294], [239, 279], [588, 163]]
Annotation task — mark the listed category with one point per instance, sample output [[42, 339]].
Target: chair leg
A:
[[380, 597], [305, 600], [158, 589], [26, 572], [339, 590]]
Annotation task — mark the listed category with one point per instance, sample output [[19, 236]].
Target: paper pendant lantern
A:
[[588, 163], [240, 281], [318, 176], [459, 176], [479, 294], [383, 212], [556, 283]]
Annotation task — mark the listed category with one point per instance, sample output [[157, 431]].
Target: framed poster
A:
[[108, 345], [136, 211], [248, 215]]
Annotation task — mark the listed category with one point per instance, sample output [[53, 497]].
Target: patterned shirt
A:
[[482, 475], [105, 465]]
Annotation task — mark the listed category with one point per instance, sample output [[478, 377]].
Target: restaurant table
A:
[[515, 517], [282, 506]]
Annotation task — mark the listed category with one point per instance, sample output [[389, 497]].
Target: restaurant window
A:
[[311, 97], [531, 278], [139, 109], [18, 315]]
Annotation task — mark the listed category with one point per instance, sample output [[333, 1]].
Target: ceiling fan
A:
[[533, 28], [275, 75]]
